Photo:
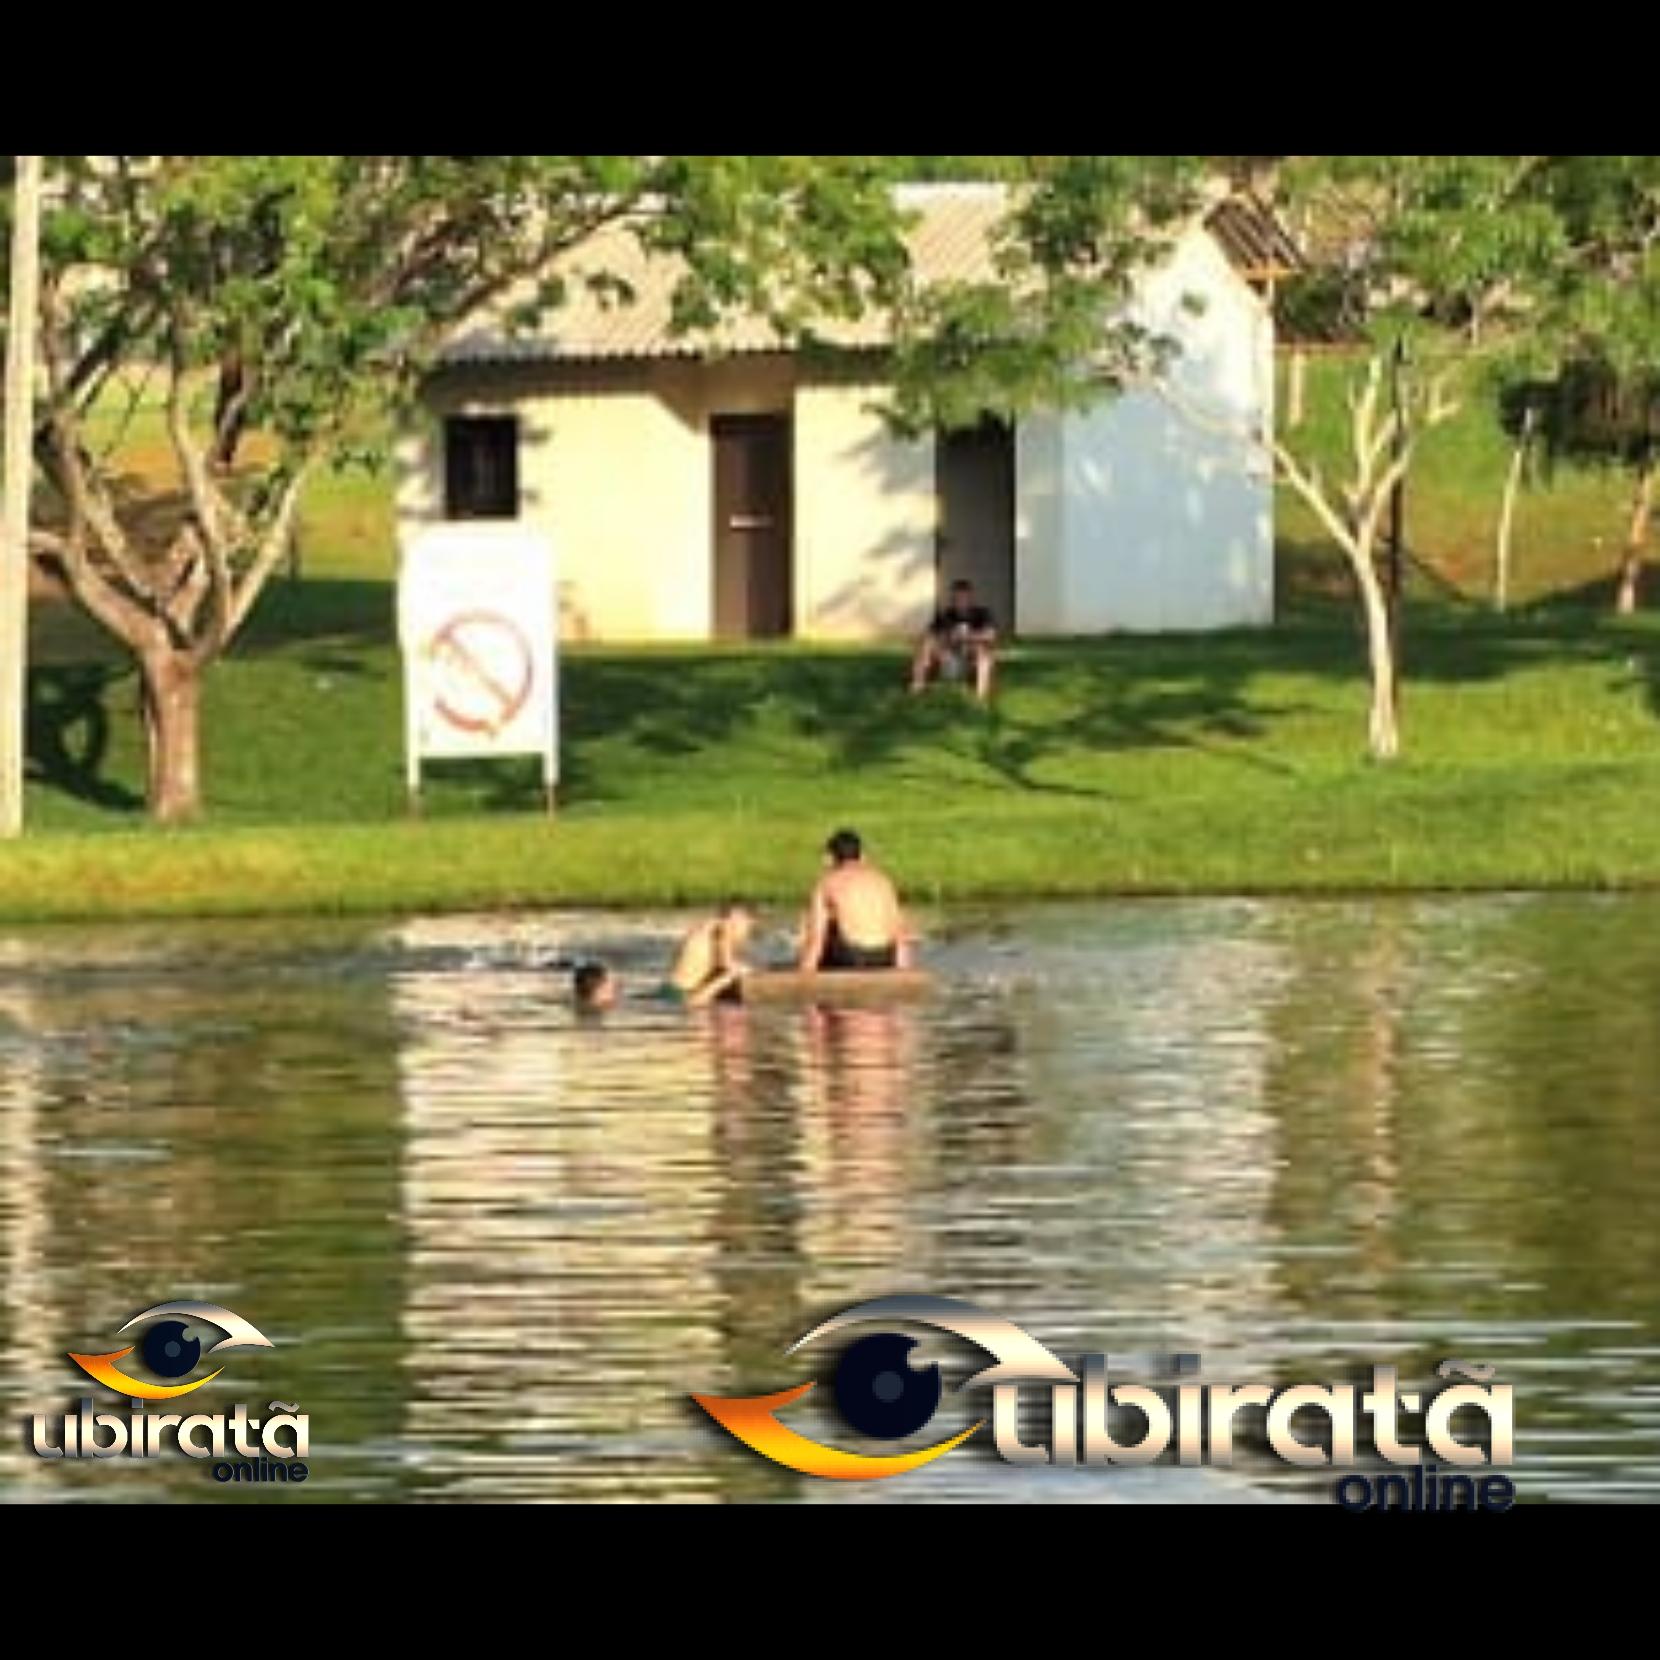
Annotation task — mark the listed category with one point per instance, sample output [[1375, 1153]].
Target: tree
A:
[[1523, 430], [1385, 434], [328, 278], [1434, 252], [1593, 371], [316, 291], [1048, 329]]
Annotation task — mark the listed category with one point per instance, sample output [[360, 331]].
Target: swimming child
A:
[[593, 988], [709, 964]]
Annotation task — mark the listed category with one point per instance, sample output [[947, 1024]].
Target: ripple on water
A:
[[500, 1245]]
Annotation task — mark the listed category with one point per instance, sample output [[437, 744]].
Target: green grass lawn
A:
[[1226, 763], [1229, 763]]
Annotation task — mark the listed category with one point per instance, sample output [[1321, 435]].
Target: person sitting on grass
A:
[[709, 966], [593, 988], [853, 918], [960, 643]]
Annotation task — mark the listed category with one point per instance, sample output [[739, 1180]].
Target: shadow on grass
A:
[[512, 784], [68, 733], [848, 710], [1450, 638], [350, 613], [1216, 694], [1058, 698]]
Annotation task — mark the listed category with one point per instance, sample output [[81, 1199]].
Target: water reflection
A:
[[177, 1122], [498, 1245], [25, 1356], [555, 1198], [604, 1215], [1137, 1056], [1477, 1076], [864, 1103]]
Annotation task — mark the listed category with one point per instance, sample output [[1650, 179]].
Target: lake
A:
[[497, 1247]]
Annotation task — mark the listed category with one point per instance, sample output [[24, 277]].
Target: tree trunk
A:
[[1631, 567], [172, 723], [1507, 512], [1296, 391], [1383, 728]]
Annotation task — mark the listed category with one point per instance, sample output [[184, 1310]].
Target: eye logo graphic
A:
[[169, 1352], [879, 1394]]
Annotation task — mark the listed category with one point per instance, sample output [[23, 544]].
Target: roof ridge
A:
[[942, 189]]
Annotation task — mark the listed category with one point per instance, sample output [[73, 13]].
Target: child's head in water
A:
[[594, 987]]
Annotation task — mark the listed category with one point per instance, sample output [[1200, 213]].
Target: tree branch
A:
[[208, 506], [1307, 485], [62, 455], [1363, 421], [271, 549]]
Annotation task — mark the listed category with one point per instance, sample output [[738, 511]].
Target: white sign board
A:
[[477, 623]]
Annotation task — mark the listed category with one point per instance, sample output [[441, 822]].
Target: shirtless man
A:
[[709, 963], [853, 918]]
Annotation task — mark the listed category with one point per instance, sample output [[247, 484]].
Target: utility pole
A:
[[19, 469]]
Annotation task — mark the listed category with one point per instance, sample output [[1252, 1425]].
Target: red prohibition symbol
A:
[[485, 671]]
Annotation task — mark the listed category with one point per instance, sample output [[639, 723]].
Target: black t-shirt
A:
[[976, 619]]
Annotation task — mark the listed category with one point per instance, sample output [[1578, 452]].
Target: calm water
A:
[[496, 1247]]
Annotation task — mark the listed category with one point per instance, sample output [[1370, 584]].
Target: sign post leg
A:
[[411, 738]]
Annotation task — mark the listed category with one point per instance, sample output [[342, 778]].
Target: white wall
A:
[[1039, 527], [622, 483], [865, 522], [1168, 511], [615, 465], [1138, 515]]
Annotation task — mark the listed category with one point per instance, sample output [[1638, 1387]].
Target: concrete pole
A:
[[19, 469]]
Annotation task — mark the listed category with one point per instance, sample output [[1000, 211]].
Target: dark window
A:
[[481, 467]]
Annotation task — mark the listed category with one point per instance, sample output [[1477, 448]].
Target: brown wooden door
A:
[[754, 546], [976, 481]]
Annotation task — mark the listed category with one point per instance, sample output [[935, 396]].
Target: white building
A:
[[746, 492]]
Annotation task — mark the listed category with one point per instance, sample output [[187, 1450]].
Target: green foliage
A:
[[1595, 370], [334, 280], [1548, 265], [1456, 243], [1589, 412], [959, 169], [1050, 330]]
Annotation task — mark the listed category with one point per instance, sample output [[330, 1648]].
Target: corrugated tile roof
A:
[[1253, 237], [952, 240]]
